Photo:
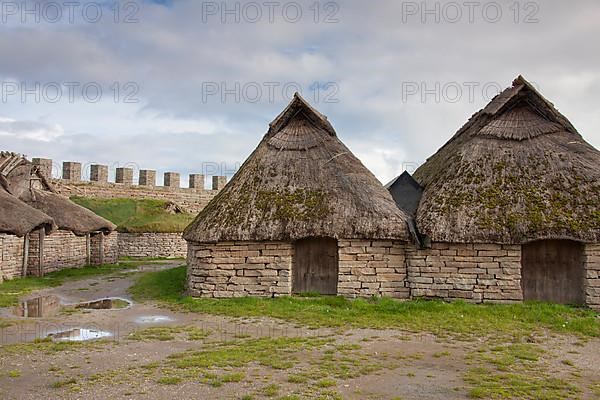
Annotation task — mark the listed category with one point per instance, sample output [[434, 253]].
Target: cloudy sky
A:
[[188, 85]]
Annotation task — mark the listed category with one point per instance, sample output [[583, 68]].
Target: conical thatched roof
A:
[[301, 181], [516, 171], [28, 185], [16, 217]]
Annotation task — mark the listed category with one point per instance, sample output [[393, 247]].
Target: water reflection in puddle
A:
[[39, 307], [153, 319], [110, 303], [79, 335], [50, 306]]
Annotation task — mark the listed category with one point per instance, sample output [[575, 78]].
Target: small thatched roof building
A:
[[301, 181], [301, 191], [79, 239], [511, 205], [30, 186]]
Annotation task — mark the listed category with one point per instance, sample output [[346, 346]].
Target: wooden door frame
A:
[[295, 263]]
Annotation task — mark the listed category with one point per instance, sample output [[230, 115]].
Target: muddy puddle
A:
[[79, 335], [153, 319], [50, 306], [39, 307], [109, 303], [150, 268]]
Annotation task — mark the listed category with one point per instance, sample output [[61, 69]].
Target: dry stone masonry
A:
[[471, 272], [592, 268], [148, 177], [152, 245], [61, 250], [372, 268], [98, 173], [237, 269], [72, 171], [104, 248], [124, 176], [11, 256]]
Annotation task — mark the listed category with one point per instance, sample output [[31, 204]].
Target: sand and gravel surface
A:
[[148, 351]]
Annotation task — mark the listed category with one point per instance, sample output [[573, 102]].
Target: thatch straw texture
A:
[[301, 181], [517, 171], [17, 218], [26, 183]]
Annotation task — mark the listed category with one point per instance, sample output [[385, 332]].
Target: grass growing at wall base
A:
[[137, 215], [456, 319]]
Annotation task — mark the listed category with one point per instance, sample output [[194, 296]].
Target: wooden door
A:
[[316, 266], [552, 270]]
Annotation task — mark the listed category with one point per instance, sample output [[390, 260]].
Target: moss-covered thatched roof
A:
[[17, 218], [301, 181], [516, 171], [28, 185]]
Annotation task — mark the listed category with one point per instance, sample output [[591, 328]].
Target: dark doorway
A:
[[316, 266], [552, 270]]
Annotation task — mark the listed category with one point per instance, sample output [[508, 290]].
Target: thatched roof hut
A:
[[30, 186], [517, 171], [17, 218], [301, 181]]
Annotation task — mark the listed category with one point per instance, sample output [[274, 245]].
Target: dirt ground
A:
[[157, 353]]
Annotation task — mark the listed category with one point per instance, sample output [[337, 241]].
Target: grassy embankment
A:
[[136, 215]]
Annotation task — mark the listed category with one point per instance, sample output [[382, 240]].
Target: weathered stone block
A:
[[147, 177], [124, 176]]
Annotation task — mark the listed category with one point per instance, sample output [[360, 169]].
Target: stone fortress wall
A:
[[191, 199], [69, 182]]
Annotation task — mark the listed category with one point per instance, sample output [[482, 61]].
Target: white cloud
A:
[[370, 54], [11, 129]]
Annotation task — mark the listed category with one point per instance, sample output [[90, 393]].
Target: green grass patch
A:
[[48, 346], [11, 291], [138, 215], [15, 373], [151, 260], [169, 380], [456, 318], [216, 380], [325, 383], [515, 371], [275, 353], [271, 390], [63, 383], [167, 333]]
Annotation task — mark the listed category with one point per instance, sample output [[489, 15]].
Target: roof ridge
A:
[[296, 105]]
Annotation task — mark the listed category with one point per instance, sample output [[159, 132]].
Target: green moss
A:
[[299, 204], [506, 200]]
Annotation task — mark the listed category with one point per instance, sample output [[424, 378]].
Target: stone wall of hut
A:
[[152, 245], [237, 269], [61, 249], [11, 258], [592, 267], [471, 272], [372, 268], [104, 249]]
